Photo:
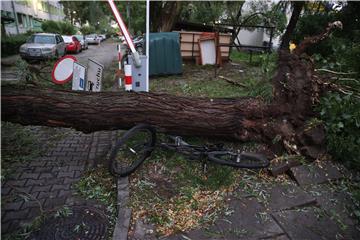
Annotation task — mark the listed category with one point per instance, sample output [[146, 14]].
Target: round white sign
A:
[[63, 69]]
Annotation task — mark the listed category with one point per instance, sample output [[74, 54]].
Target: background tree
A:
[[285, 40], [65, 28], [164, 14]]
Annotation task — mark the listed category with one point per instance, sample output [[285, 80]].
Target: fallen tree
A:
[[296, 90]]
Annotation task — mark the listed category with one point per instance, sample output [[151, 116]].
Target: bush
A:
[[64, 28], [86, 30], [50, 26], [341, 117], [11, 45]]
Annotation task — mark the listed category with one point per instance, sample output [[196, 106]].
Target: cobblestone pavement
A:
[[45, 183], [287, 210]]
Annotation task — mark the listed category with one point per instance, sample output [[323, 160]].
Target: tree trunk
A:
[[291, 26], [244, 119], [281, 123], [164, 15]]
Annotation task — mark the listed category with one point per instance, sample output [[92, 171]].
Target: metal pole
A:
[[15, 16], [147, 46]]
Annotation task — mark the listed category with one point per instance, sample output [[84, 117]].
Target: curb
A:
[[124, 214]]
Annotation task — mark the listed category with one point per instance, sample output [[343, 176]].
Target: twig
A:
[[233, 82], [30, 196], [334, 72]]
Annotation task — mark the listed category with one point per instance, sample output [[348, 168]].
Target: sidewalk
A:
[[46, 182], [314, 206]]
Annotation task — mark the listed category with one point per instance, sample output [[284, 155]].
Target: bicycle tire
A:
[[246, 160], [118, 165]]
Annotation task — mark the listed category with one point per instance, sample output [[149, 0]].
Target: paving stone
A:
[[337, 204], [32, 204], [309, 224], [5, 190], [64, 193], [43, 169], [12, 206], [289, 196], [63, 169], [16, 183], [77, 174], [59, 187], [143, 231], [34, 212], [281, 165], [29, 175], [45, 195], [47, 175], [5, 227], [15, 215], [55, 202], [69, 180], [315, 173], [69, 174], [41, 188], [37, 163]]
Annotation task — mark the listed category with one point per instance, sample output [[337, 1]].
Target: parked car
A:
[[72, 44], [92, 39], [43, 46], [102, 37], [83, 41]]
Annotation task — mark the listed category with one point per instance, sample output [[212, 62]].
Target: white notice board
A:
[[94, 76], [79, 80]]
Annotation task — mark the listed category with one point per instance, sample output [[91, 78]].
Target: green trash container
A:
[[165, 56]]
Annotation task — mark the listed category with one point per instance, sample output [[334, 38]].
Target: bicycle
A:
[[137, 144]]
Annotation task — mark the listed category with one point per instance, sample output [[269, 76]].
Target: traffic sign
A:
[[94, 76], [63, 69], [79, 80]]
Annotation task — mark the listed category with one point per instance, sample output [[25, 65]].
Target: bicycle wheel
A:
[[132, 149], [241, 160]]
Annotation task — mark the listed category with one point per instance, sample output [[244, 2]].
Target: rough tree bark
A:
[[163, 15], [291, 26], [296, 90]]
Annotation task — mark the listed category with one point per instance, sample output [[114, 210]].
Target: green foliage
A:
[[18, 144], [50, 26], [86, 30], [99, 185], [341, 116], [60, 27], [312, 24], [10, 45], [203, 11]]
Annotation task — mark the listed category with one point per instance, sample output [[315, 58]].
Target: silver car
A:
[[83, 41], [92, 39], [43, 46]]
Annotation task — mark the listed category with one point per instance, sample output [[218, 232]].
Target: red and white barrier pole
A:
[[119, 59], [125, 32], [128, 77]]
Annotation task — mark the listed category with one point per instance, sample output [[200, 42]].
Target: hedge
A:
[[10, 45]]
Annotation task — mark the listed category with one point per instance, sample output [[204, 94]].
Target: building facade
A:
[[20, 16]]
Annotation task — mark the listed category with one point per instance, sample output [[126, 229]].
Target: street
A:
[[105, 53]]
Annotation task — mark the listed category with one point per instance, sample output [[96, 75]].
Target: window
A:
[[19, 17], [31, 23], [58, 39], [43, 39]]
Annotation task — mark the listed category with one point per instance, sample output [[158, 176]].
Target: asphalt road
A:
[[105, 53]]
